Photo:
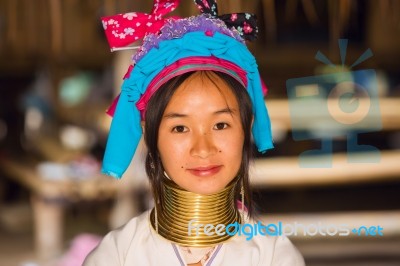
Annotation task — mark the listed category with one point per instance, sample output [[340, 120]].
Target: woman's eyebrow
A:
[[179, 115], [225, 111], [174, 115]]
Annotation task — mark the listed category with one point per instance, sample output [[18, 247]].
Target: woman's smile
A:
[[205, 171]]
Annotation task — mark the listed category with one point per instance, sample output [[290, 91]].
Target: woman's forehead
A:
[[203, 89], [205, 81]]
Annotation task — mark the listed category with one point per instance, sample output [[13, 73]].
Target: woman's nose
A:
[[203, 145]]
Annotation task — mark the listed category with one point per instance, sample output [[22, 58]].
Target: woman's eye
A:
[[179, 129], [220, 126]]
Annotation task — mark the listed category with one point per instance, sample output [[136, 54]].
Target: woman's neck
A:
[[184, 215]]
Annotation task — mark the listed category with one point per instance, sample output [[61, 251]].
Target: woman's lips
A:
[[205, 171]]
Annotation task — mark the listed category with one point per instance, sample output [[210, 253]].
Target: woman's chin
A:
[[205, 190]]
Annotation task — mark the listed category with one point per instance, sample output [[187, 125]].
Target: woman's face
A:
[[200, 136]]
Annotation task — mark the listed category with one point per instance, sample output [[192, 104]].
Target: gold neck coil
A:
[[182, 208]]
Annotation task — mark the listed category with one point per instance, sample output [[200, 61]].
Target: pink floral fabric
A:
[[124, 29]]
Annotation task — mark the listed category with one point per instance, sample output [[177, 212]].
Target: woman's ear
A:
[[251, 128], [142, 124]]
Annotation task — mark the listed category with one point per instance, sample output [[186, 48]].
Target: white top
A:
[[136, 243]]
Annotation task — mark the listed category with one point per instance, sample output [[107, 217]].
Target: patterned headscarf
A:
[[171, 47]]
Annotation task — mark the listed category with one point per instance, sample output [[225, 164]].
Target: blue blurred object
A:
[[75, 90]]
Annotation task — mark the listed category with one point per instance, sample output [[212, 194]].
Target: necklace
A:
[[186, 213]]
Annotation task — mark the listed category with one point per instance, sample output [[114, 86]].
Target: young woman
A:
[[197, 90]]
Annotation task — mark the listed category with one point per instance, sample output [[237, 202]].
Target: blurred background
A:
[[332, 68]]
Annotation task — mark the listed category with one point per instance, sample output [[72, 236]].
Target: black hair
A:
[[154, 113]]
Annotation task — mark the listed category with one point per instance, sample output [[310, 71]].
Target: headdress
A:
[[173, 46]]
